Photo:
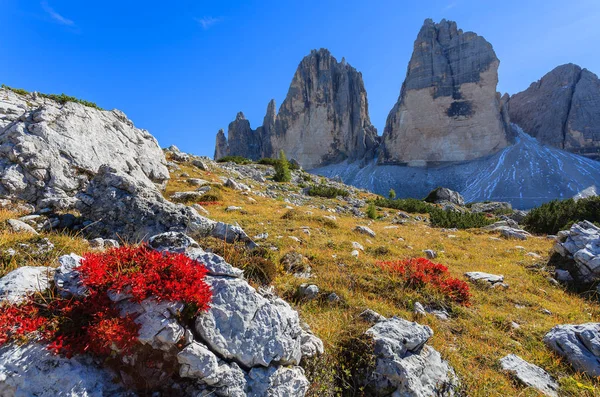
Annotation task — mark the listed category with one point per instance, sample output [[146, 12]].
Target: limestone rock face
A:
[[221, 147], [448, 108], [248, 344], [120, 206], [578, 344], [324, 118], [581, 246], [49, 151], [561, 110], [405, 364]]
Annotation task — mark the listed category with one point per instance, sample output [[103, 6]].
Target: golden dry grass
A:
[[472, 341], [63, 244]]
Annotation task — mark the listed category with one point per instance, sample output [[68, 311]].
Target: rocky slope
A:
[[448, 108], [49, 150], [525, 174], [321, 256], [324, 118], [561, 109]]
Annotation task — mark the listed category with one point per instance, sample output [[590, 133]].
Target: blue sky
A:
[[183, 69]]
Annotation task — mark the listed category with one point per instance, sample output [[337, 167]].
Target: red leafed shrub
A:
[[420, 273], [19, 320], [143, 272], [92, 324]]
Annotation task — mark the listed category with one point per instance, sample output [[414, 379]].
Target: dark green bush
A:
[[371, 211], [273, 162], [449, 219], [234, 159], [282, 169], [552, 217], [327, 191], [410, 205]]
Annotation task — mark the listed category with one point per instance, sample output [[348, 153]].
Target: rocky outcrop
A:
[[248, 343], [405, 364], [49, 151], [530, 375], [443, 195], [561, 110], [323, 119], [578, 344], [580, 246], [448, 108], [119, 206]]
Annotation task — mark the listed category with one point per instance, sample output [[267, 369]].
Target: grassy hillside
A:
[[475, 337], [472, 340]]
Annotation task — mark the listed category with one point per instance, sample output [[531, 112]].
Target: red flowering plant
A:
[[420, 273], [91, 323]]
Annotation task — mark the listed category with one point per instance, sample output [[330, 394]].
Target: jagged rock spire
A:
[[323, 119], [448, 109]]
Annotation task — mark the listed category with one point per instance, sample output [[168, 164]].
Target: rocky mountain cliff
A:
[[49, 150], [448, 108], [562, 110], [324, 118]]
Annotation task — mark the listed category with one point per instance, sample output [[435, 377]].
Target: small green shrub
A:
[[409, 205], [273, 162], [459, 220], [234, 159], [62, 98], [371, 211], [392, 194], [552, 217], [282, 169], [19, 91], [327, 191]]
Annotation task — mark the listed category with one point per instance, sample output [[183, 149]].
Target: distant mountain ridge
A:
[[449, 121]]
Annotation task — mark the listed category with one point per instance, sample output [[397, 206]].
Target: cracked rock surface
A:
[[249, 343], [49, 151]]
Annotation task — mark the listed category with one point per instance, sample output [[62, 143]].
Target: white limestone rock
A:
[[244, 326], [23, 281], [578, 344], [33, 370], [405, 363], [581, 244], [49, 151], [530, 375]]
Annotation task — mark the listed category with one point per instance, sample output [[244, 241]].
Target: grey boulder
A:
[[405, 363], [120, 206], [581, 244], [578, 344], [530, 375], [442, 194]]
